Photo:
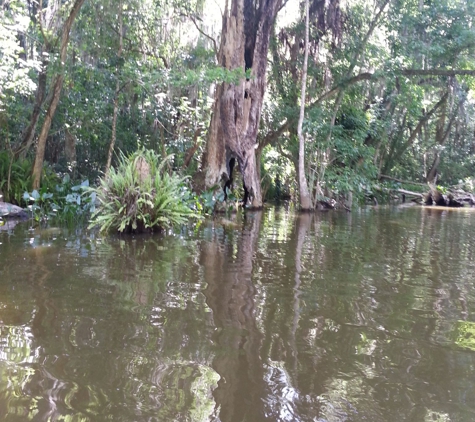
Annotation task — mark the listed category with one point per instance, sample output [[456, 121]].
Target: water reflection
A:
[[263, 316], [230, 294]]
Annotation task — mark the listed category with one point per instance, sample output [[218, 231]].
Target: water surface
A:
[[362, 316]]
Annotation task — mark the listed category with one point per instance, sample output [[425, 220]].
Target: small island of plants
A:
[[140, 194]]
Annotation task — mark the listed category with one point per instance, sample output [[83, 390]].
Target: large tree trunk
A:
[[247, 26], [57, 86]]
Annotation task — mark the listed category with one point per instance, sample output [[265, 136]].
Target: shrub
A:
[[139, 195]]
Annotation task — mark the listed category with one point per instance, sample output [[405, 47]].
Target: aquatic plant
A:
[[68, 202], [140, 195], [41, 205]]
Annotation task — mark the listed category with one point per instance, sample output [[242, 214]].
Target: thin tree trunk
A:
[[354, 61], [439, 140], [116, 99], [441, 137], [114, 129], [56, 93], [29, 133], [396, 153], [305, 200], [40, 149], [192, 150]]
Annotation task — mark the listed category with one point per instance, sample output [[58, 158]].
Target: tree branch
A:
[[273, 135], [424, 119], [215, 46], [286, 155], [191, 151], [345, 83], [366, 76]]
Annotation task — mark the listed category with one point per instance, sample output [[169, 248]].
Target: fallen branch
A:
[[410, 193], [402, 191]]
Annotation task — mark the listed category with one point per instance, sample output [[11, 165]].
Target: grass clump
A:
[[139, 195]]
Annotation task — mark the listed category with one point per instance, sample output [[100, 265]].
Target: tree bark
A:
[[247, 26], [56, 93], [305, 200]]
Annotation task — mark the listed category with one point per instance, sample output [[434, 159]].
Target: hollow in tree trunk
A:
[[247, 25]]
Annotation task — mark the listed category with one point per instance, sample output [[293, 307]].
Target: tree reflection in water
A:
[[231, 296], [252, 387]]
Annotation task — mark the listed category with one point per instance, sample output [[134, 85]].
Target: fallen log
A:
[[410, 193], [417, 195], [447, 198]]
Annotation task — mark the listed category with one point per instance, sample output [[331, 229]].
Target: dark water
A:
[[368, 316]]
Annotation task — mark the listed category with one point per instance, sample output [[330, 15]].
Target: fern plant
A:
[[139, 195]]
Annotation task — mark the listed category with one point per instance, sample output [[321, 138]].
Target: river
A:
[[262, 316]]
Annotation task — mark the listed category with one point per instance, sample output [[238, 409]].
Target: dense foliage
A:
[[389, 91]]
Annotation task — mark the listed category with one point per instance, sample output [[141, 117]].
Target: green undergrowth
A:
[[67, 202], [15, 178]]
